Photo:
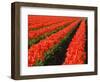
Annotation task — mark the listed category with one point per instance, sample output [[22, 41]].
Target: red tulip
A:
[[37, 33], [76, 51], [37, 51]]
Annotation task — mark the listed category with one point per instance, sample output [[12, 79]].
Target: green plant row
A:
[[36, 40], [51, 52]]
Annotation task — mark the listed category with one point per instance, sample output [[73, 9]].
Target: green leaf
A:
[[39, 63]]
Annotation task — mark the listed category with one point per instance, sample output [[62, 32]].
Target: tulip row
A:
[[36, 40], [36, 33], [33, 19], [76, 53], [36, 52], [35, 22], [42, 24]]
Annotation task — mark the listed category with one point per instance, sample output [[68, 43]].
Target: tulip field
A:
[[56, 40]]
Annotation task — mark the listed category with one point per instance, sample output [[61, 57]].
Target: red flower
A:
[[42, 21], [37, 33], [76, 51], [37, 51]]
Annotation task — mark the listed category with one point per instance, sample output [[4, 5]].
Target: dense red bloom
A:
[[36, 51], [76, 51], [37, 33], [42, 21], [42, 24]]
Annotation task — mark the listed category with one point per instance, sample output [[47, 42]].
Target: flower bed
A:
[[76, 53], [36, 51]]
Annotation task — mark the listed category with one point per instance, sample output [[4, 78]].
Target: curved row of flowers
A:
[[76, 53], [36, 51], [35, 19], [35, 22], [36, 33], [43, 24]]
